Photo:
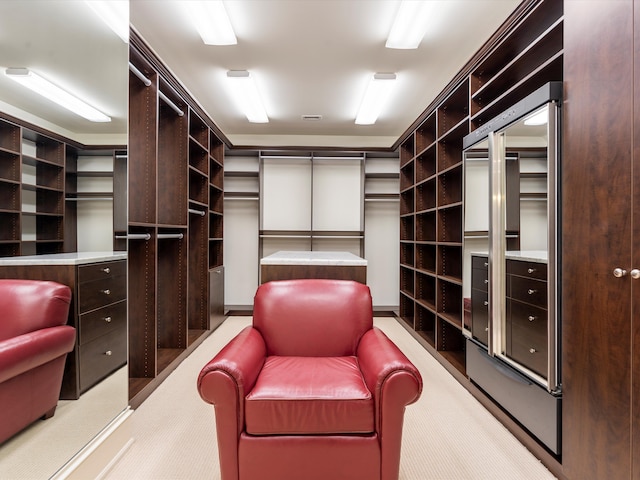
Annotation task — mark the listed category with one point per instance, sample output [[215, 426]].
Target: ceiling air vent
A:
[[312, 117]]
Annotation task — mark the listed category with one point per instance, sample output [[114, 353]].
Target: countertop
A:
[[74, 258], [313, 258]]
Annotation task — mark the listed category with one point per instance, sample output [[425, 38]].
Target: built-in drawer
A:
[[527, 336], [528, 290], [479, 262], [98, 293], [102, 321], [529, 403], [527, 269], [98, 271], [102, 356], [480, 316], [480, 279]]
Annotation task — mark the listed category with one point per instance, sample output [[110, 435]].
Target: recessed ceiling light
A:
[[410, 24], [245, 93], [56, 94], [375, 98]]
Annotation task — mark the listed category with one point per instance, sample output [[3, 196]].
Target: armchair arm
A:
[[394, 383], [26, 352], [224, 382]]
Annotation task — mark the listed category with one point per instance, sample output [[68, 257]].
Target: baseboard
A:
[[101, 453]]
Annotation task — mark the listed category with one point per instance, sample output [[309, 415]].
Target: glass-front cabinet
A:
[[510, 270]]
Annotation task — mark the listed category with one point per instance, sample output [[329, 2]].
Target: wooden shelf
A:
[[177, 185]]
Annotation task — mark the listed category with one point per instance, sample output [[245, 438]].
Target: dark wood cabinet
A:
[[175, 223], [600, 179]]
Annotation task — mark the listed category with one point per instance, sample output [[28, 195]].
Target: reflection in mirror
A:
[[509, 243], [67, 42]]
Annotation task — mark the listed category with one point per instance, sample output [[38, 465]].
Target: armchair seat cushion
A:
[[309, 396]]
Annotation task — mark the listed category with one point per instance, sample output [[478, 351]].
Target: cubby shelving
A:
[[517, 61]]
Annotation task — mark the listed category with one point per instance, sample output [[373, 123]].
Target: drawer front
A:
[[480, 316], [525, 269], [529, 291], [96, 294], [480, 279], [98, 271], [529, 403], [101, 357], [527, 339], [481, 263], [102, 321]]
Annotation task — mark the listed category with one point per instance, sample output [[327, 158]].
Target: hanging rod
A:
[[196, 212], [139, 74], [134, 236], [171, 104], [178, 236]]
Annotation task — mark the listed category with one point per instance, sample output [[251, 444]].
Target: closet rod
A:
[[139, 74], [196, 212], [390, 199], [178, 236], [173, 106], [134, 236]]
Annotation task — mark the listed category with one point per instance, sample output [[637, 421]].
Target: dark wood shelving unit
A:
[[175, 229], [524, 54]]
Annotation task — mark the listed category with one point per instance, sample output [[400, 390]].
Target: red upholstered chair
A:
[[34, 342], [312, 390]]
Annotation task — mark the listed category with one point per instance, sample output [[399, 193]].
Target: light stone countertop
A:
[[74, 258], [313, 258], [538, 256]]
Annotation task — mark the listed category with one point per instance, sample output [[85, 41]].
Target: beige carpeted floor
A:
[[448, 435]]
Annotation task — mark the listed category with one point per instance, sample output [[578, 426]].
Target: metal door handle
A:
[[619, 272], [635, 274]]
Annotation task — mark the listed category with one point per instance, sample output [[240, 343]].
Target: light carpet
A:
[[448, 434]]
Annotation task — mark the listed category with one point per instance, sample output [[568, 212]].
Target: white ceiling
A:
[[315, 57], [308, 56]]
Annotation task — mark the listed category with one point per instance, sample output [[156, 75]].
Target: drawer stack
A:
[[480, 298], [526, 341], [102, 320]]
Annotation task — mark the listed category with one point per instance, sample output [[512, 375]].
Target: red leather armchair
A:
[[34, 342], [312, 390]]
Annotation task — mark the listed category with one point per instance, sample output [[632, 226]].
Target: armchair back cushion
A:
[[27, 306], [315, 318]]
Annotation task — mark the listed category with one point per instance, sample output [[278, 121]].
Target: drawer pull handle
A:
[[486, 303], [107, 319], [108, 353], [106, 270], [486, 281], [531, 270], [532, 350], [531, 291], [106, 292], [486, 329], [532, 318], [486, 264]]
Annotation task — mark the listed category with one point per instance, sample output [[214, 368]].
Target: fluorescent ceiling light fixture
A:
[[375, 98], [212, 22], [540, 117], [246, 96], [54, 93], [410, 24], [115, 13]]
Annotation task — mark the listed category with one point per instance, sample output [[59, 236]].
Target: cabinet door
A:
[[596, 238]]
